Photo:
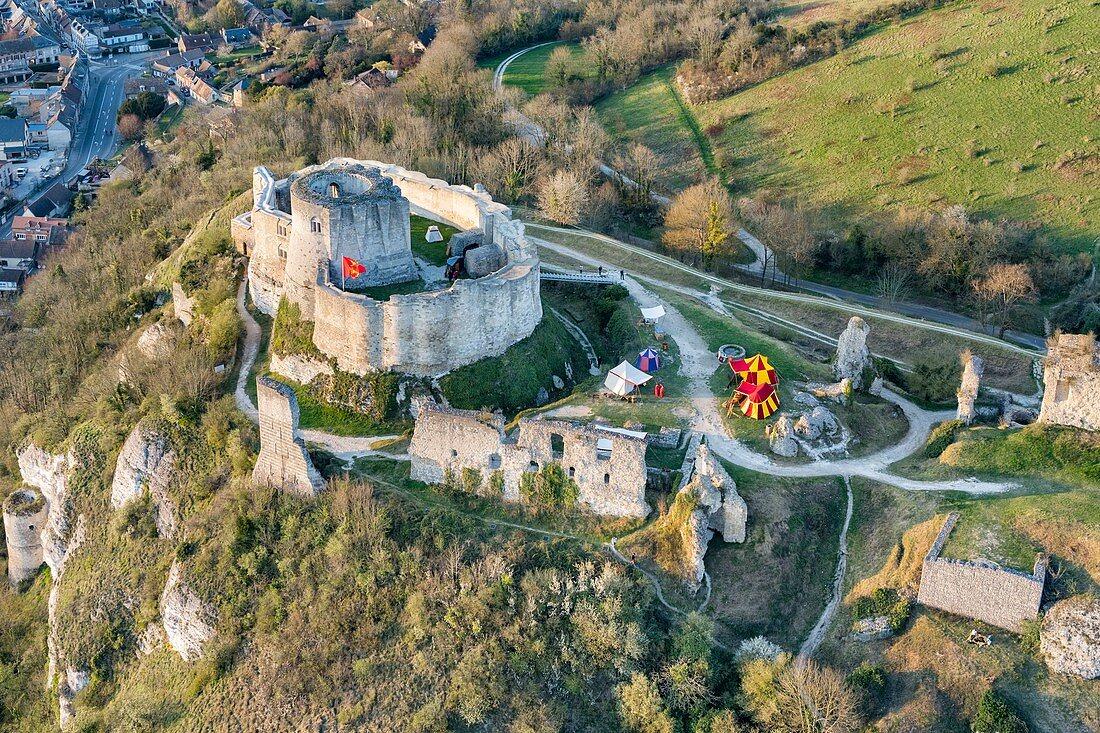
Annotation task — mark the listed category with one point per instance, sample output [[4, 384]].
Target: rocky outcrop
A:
[[183, 306], [781, 438], [815, 423], [298, 368], [73, 681], [156, 342], [146, 463], [1070, 637], [837, 392], [872, 628], [49, 473], [973, 367], [717, 507], [188, 621], [283, 461], [853, 360]]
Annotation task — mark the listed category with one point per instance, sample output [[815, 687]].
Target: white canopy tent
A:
[[433, 234], [624, 378], [652, 314]]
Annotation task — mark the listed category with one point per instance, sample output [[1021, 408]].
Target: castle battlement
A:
[[301, 227]]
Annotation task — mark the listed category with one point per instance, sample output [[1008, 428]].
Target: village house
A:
[[205, 42], [138, 85], [195, 86], [11, 282], [16, 56], [53, 203], [372, 78], [21, 253], [84, 38], [13, 137], [42, 230], [129, 38], [236, 37], [7, 174], [167, 65]]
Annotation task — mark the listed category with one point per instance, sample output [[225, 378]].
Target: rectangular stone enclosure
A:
[[998, 596]]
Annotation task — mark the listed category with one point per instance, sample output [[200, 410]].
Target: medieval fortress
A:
[[302, 227]]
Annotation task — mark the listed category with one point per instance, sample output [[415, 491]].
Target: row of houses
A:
[[36, 234]]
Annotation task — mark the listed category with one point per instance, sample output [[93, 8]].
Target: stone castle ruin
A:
[[1071, 379], [283, 461], [853, 359], [301, 227], [983, 591], [24, 520], [608, 467]]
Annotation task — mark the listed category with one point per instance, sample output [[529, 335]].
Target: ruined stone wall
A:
[[23, 532], [609, 482], [997, 596], [1071, 379], [424, 333], [453, 439], [298, 368], [146, 463], [283, 460]]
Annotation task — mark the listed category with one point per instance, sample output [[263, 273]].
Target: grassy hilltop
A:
[[988, 105]]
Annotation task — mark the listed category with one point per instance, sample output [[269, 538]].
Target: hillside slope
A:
[[991, 105]]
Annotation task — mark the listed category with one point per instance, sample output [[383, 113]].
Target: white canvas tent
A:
[[624, 378], [433, 234], [652, 314]]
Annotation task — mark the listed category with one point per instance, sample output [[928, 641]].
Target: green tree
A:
[[642, 709], [230, 14]]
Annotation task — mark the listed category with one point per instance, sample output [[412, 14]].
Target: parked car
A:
[[20, 172]]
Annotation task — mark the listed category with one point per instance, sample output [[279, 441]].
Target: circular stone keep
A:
[[1070, 637], [351, 185]]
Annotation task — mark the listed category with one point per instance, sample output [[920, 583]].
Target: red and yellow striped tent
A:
[[755, 370], [757, 401], [756, 396]]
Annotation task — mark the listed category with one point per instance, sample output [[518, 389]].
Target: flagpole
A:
[[343, 276]]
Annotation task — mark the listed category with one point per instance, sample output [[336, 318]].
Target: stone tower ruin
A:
[[973, 368], [346, 211], [283, 461], [24, 519], [1071, 381]]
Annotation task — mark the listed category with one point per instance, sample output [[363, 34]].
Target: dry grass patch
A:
[[902, 568]]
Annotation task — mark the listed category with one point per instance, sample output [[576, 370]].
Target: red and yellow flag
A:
[[353, 268]]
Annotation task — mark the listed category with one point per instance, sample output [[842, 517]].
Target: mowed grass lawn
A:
[[973, 105], [649, 112], [528, 72]]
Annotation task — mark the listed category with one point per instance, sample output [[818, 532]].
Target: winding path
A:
[[346, 448], [817, 633], [697, 364]]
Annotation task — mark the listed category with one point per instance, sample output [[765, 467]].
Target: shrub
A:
[[942, 436], [549, 487], [996, 716], [869, 682], [934, 377], [884, 602], [291, 334]]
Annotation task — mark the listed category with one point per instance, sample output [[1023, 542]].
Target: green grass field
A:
[[434, 252], [651, 113], [528, 71], [973, 105]]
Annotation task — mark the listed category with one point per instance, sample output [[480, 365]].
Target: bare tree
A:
[[562, 197], [893, 284], [1003, 288], [813, 699]]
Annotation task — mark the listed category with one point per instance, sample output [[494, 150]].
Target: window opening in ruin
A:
[[454, 453], [30, 528], [282, 252], [557, 445], [494, 461], [533, 467], [607, 478], [603, 449], [334, 190], [315, 225], [280, 228], [572, 472]]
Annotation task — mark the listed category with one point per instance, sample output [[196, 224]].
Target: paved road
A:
[[916, 310], [96, 135]]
